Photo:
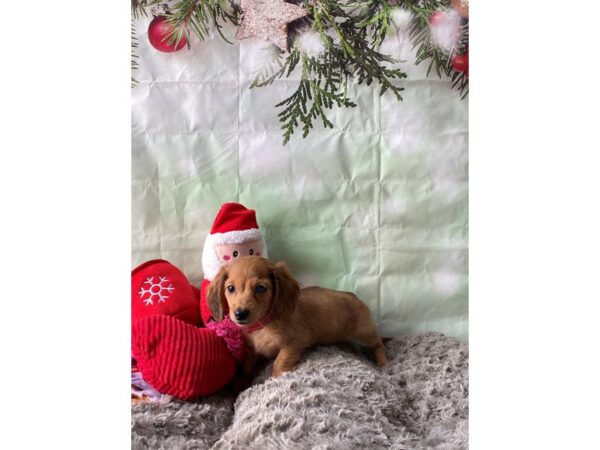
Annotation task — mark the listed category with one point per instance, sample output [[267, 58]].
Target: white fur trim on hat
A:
[[235, 237], [210, 260]]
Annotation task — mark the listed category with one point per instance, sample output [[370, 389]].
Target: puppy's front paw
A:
[[278, 372], [381, 361], [380, 358]]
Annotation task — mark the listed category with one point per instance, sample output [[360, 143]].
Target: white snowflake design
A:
[[156, 291]]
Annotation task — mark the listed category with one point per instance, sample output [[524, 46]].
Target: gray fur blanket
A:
[[336, 399]]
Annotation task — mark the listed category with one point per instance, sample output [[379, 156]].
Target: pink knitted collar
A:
[[262, 322], [232, 333]]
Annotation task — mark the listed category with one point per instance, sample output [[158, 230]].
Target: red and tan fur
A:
[[300, 317]]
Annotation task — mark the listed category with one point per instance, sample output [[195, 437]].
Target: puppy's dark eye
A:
[[260, 288], [251, 251], [235, 254], [231, 288]]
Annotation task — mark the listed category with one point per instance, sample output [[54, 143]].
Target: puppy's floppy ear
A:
[[286, 290], [215, 296]]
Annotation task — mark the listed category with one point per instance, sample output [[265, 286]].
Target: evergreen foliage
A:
[[351, 30], [420, 36]]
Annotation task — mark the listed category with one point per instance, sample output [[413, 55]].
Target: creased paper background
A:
[[377, 206]]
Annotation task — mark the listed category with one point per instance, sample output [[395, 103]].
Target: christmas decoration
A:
[[160, 35], [445, 29], [311, 44], [422, 36], [180, 359], [268, 19], [159, 288], [401, 18], [174, 354], [437, 18], [461, 62], [331, 44], [234, 233]]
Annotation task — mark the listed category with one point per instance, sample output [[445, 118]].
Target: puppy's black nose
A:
[[242, 314]]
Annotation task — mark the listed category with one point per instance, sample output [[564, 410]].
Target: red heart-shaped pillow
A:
[[158, 287], [179, 359]]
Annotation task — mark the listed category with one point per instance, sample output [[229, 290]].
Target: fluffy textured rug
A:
[[335, 399]]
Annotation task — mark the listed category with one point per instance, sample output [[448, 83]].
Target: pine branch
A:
[[360, 32], [185, 15], [198, 16], [352, 56], [139, 7], [375, 16], [439, 59], [351, 30], [319, 86], [276, 70]]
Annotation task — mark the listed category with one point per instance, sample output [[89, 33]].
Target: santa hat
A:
[[234, 224]]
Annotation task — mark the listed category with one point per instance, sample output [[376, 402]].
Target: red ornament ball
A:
[[460, 62], [437, 18], [158, 35]]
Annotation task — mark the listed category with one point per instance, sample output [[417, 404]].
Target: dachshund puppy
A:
[[280, 320]]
